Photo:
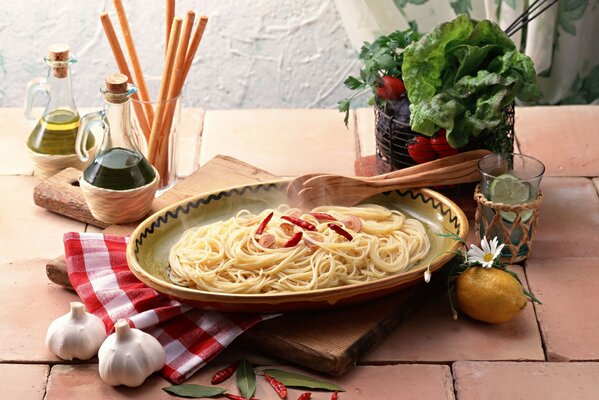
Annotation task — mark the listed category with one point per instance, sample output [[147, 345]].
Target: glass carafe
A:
[[56, 130], [118, 163]]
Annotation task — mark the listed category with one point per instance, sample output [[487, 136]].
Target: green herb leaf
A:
[[413, 25], [194, 391], [246, 379], [381, 57], [354, 83], [344, 108], [526, 292], [453, 236], [291, 379]]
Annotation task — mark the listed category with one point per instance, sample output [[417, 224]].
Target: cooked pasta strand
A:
[[227, 256]]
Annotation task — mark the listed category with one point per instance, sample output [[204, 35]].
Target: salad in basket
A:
[[450, 84]]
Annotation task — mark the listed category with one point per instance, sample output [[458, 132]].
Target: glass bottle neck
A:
[[117, 116], [61, 92]]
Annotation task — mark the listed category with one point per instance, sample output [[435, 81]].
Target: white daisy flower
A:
[[486, 253]]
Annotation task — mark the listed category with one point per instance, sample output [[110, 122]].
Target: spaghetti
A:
[[291, 251]]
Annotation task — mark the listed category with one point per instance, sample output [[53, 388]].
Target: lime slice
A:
[[508, 189]]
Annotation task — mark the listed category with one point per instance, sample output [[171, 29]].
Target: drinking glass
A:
[[165, 160], [509, 180]]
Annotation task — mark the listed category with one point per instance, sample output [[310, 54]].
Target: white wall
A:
[[255, 53]]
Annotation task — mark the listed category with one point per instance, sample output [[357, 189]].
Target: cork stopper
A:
[[116, 87], [59, 53]]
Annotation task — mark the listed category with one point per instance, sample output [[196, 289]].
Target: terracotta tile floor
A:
[[429, 356]]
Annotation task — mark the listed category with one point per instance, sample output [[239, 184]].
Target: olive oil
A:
[[119, 169], [55, 134]]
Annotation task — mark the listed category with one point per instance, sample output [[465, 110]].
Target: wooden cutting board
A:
[[329, 341]]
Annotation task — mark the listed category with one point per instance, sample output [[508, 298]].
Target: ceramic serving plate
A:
[[150, 243]]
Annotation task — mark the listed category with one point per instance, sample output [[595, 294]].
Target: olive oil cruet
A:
[[119, 183], [51, 144]]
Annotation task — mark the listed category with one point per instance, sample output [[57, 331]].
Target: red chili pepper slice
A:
[[277, 385], [294, 213], [287, 228], [323, 216], [295, 239], [263, 224], [352, 222], [305, 396], [267, 241], [299, 222], [341, 231], [335, 395], [224, 373]]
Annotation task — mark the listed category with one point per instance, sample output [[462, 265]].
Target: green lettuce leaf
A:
[[461, 76], [425, 59]]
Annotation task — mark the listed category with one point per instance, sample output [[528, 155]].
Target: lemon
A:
[[508, 189], [489, 294]]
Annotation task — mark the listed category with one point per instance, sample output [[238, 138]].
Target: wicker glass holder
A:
[[47, 165], [513, 225]]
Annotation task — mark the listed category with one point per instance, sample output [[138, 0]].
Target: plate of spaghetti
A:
[[243, 249]]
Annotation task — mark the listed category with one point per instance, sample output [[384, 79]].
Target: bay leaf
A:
[[292, 379], [194, 391], [246, 378]]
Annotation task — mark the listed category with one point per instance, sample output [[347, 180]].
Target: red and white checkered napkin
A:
[[98, 271]]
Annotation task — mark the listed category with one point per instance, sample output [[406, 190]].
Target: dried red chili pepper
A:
[[305, 396], [299, 222], [341, 231], [335, 395], [323, 216], [294, 240], [263, 224], [277, 386], [224, 373], [234, 397]]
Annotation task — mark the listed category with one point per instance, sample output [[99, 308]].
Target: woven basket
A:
[[394, 134], [517, 235], [47, 165], [119, 206]]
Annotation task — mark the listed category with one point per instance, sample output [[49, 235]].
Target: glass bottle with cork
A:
[[118, 170], [51, 144]]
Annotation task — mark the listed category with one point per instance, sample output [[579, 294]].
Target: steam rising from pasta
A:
[[229, 257]]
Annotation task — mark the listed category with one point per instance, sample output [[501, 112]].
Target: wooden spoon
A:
[[297, 184], [343, 190]]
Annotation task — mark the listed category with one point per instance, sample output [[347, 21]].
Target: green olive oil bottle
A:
[[118, 164], [56, 131]]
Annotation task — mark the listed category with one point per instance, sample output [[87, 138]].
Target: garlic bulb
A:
[[77, 334], [129, 356]]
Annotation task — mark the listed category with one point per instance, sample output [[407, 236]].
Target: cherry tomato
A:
[[440, 145], [420, 150], [389, 88]]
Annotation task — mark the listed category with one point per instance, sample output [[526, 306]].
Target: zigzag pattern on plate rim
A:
[[163, 219], [453, 219]]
